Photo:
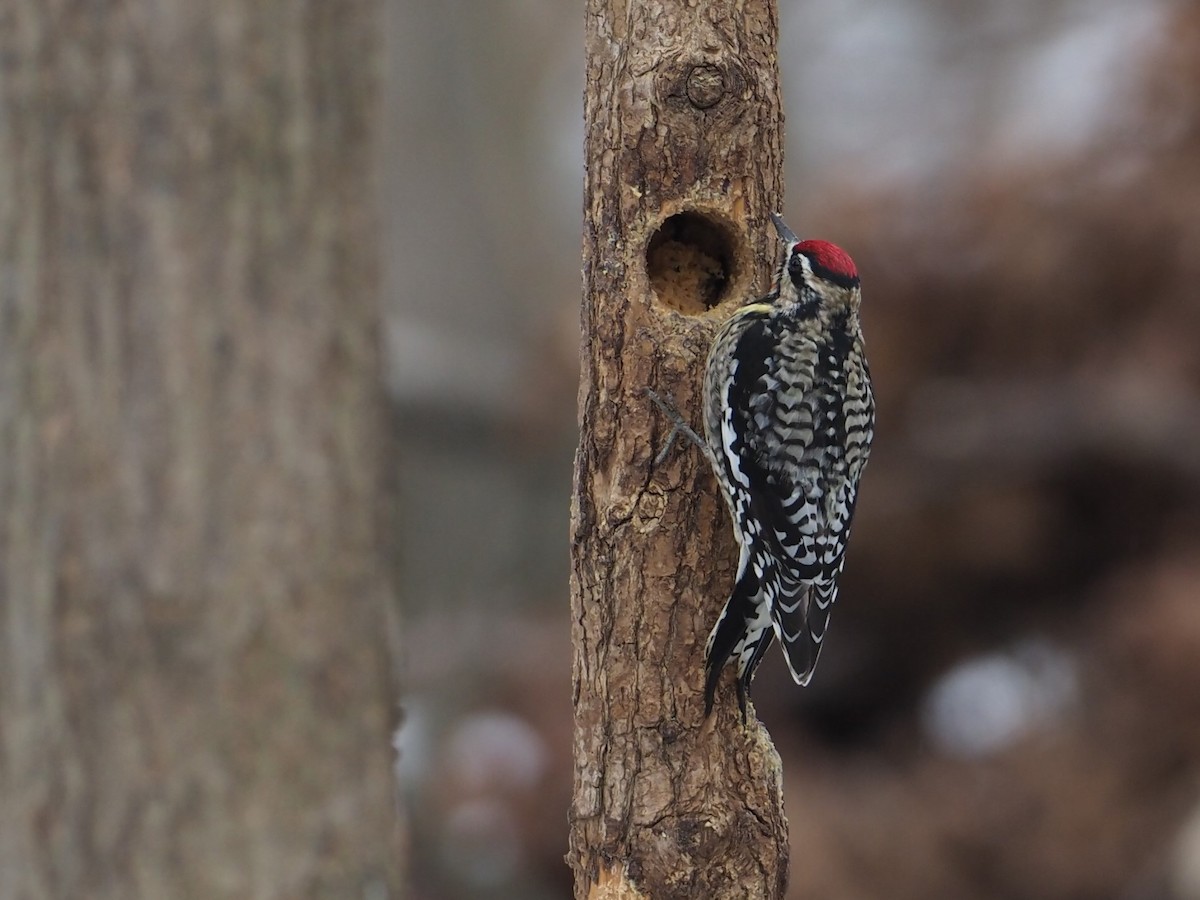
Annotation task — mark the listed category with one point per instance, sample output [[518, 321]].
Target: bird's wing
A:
[[786, 446]]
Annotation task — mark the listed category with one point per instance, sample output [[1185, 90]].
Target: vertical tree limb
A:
[[195, 686], [684, 164]]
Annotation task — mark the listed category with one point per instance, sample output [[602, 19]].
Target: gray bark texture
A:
[[684, 165], [196, 692]]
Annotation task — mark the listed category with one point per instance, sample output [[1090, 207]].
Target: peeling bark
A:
[[684, 164]]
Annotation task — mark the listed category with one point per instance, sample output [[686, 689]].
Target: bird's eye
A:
[[795, 263]]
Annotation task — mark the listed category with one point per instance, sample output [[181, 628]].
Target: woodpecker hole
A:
[[690, 260]]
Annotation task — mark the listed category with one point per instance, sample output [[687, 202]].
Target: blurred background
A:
[[1009, 706]]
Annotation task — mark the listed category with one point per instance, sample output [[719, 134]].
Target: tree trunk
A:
[[195, 686], [684, 164]]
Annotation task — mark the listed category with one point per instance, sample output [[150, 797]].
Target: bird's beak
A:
[[785, 233]]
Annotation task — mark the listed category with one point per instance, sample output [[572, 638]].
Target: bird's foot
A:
[[678, 426]]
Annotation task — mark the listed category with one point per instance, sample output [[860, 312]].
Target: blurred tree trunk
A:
[[195, 682], [684, 164]]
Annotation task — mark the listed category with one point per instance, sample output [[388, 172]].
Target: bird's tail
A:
[[730, 631], [800, 612]]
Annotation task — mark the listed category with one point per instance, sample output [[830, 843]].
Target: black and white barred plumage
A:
[[789, 417]]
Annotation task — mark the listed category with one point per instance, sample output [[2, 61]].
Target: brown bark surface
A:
[[684, 156], [195, 685]]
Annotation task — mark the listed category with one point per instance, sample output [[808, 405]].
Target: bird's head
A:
[[816, 276]]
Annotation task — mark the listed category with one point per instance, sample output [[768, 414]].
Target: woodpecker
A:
[[788, 422]]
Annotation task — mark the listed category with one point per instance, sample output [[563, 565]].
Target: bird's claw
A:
[[678, 426]]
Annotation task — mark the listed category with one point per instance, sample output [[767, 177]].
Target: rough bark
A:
[[683, 153], [195, 687]]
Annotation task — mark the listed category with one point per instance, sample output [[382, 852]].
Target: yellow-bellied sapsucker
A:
[[788, 417]]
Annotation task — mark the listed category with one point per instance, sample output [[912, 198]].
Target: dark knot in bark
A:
[[705, 86]]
